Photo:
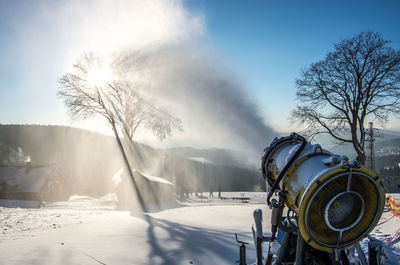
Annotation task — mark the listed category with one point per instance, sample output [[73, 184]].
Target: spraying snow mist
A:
[[194, 86], [206, 95]]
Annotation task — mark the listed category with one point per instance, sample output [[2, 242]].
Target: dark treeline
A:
[[192, 176], [388, 167], [215, 155], [387, 161], [89, 160]]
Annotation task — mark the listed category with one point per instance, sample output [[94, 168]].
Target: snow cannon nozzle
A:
[[326, 197]]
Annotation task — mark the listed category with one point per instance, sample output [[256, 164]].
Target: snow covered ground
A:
[[85, 230]]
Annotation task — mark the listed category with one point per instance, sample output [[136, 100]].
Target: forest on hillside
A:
[[388, 168], [89, 160]]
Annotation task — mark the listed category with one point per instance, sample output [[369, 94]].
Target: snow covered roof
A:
[[116, 179], [201, 160], [156, 179], [24, 180], [153, 178]]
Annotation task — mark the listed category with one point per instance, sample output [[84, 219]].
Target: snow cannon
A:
[[334, 203]]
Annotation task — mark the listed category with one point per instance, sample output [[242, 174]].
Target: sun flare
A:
[[99, 76]]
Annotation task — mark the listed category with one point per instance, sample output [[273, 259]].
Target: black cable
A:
[[295, 136]]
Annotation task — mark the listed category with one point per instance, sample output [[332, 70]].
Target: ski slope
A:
[[86, 230]]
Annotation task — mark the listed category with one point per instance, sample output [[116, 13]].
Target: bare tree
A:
[[95, 88], [120, 100], [359, 81]]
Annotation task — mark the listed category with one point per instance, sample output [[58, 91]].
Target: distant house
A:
[[30, 186], [154, 191]]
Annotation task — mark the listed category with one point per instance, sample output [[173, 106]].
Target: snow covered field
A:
[[85, 230]]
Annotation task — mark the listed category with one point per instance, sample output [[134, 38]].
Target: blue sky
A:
[[266, 43], [269, 42]]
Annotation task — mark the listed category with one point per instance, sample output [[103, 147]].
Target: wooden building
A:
[[30, 186]]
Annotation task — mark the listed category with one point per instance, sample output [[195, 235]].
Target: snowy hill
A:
[[86, 230]]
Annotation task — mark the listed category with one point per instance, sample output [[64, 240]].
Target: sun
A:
[[99, 76]]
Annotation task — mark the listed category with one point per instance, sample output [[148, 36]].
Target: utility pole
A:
[[371, 140]]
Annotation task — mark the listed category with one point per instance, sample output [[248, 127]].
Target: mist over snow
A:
[[167, 50], [208, 97], [188, 77], [45, 38], [109, 26]]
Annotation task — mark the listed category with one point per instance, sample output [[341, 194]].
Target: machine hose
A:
[[287, 166]]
